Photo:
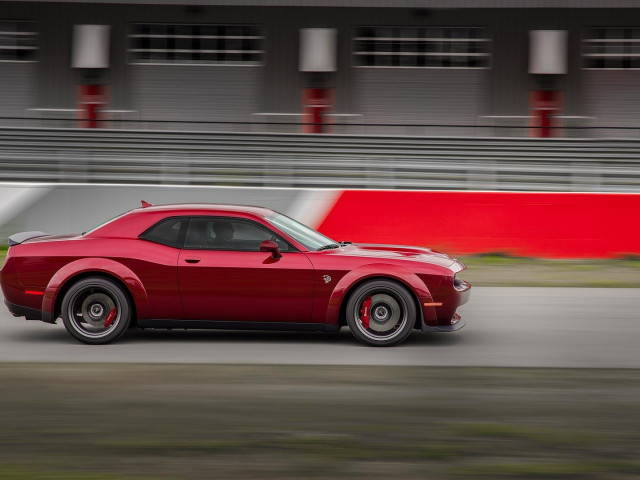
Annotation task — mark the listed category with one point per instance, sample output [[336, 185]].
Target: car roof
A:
[[134, 222], [186, 208]]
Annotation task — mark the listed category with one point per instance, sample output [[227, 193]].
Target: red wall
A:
[[550, 225]]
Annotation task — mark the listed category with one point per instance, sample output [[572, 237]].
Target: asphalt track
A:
[[511, 327]]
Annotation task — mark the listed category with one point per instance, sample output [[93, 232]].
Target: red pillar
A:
[[316, 102], [544, 105], [91, 98]]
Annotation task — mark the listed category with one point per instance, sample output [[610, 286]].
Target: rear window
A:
[[169, 231]]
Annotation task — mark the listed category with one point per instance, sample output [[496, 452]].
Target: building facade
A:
[[388, 68]]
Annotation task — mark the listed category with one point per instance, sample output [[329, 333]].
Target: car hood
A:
[[421, 254]]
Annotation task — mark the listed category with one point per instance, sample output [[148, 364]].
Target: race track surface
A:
[[511, 327]]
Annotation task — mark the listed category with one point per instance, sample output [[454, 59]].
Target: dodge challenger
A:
[[206, 266]]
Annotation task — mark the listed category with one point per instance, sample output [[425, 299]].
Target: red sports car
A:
[[230, 267]]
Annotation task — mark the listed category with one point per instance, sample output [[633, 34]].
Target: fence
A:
[[566, 126], [299, 160]]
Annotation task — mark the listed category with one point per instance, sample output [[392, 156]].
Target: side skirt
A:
[[226, 325]]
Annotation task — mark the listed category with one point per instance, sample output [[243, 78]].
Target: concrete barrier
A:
[[70, 208], [549, 225], [546, 225]]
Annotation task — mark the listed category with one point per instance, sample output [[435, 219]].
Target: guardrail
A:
[[299, 160], [568, 126]]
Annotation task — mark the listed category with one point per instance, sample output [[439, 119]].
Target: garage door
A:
[[18, 82], [18, 67], [422, 96], [422, 75], [613, 98], [611, 74], [196, 72], [226, 94]]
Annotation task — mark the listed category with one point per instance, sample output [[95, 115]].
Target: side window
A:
[[167, 232], [227, 234]]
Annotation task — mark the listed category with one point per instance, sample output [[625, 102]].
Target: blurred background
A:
[[306, 104], [504, 132]]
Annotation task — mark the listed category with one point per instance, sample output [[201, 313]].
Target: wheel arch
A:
[[105, 268], [336, 312], [57, 310]]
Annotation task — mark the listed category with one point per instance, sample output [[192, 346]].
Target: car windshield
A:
[[306, 236]]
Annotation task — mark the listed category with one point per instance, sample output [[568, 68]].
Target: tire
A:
[[88, 311], [391, 313]]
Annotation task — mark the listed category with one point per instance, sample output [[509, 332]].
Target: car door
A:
[[224, 276], [155, 262]]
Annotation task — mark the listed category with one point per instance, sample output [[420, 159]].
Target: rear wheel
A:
[[96, 311], [381, 313]]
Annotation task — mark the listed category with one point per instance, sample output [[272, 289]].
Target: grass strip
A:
[[101, 422]]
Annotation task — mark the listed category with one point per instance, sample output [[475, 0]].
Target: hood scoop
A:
[[400, 249]]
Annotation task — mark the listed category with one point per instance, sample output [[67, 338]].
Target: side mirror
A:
[[271, 246]]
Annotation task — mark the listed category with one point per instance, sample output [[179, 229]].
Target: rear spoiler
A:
[[24, 236]]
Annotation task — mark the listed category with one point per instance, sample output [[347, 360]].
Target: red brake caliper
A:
[[364, 311], [110, 318]]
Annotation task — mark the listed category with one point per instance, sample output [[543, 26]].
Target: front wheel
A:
[[381, 313], [96, 311]]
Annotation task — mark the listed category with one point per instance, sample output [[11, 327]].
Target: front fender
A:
[[101, 265], [378, 270]]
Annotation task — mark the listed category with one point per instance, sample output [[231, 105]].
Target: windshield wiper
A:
[[328, 247]]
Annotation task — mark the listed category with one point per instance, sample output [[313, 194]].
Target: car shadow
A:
[[58, 335], [249, 336], [434, 339], [46, 334], [343, 337]]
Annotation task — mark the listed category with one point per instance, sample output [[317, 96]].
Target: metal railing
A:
[[568, 126], [299, 160]]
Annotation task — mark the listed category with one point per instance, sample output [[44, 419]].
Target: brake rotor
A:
[[96, 308], [385, 313]]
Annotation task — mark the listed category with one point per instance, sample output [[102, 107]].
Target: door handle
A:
[[192, 260]]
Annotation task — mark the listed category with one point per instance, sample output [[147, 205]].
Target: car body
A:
[[227, 266]]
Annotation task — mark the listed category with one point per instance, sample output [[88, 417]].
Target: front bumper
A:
[[444, 328], [443, 317], [464, 291]]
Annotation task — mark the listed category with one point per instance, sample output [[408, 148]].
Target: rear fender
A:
[[378, 270], [97, 265]]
